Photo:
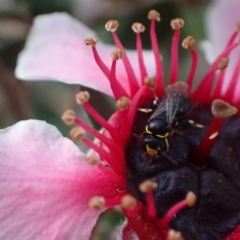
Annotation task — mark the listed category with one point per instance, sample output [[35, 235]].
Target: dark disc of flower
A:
[[216, 185]]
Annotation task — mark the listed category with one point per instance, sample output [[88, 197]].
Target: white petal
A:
[[45, 185], [55, 50]]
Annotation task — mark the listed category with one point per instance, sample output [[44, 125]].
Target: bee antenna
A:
[[137, 137], [169, 158]]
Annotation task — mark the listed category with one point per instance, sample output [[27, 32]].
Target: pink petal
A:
[[45, 185], [55, 50], [221, 19]]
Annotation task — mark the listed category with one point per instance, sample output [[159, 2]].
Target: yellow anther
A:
[[128, 202], [150, 82], [96, 203], [177, 23], [123, 103], [82, 97], [138, 27], [68, 117], [154, 15], [191, 199], [77, 133], [147, 186], [223, 64], [117, 54], [91, 41], [112, 25], [189, 43], [222, 109]]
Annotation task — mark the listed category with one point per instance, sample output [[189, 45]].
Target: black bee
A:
[[163, 122]]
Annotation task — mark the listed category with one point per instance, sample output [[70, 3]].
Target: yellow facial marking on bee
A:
[[150, 151]]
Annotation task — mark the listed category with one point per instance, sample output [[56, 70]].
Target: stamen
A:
[[82, 97], [218, 88], [204, 87], [155, 16], [123, 103], [77, 133], [189, 43], [174, 235], [128, 202], [115, 148], [136, 102], [138, 28], [112, 26], [96, 203], [68, 117], [144, 225], [189, 201], [220, 111], [117, 88], [147, 187], [176, 24], [232, 85], [93, 160], [223, 64], [115, 163], [93, 42], [150, 82], [117, 54]]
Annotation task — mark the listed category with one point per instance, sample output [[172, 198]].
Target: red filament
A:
[[117, 88], [112, 131], [142, 66], [174, 57], [159, 68], [100, 63], [163, 223], [115, 164], [133, 83], [151, 204], [206, 144], [193, 68]]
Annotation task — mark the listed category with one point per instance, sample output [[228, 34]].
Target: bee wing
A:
[[171, 101], [160, 108], [175, 94]]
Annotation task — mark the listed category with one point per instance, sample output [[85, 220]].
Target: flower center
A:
[[216, 183], [176, 147]]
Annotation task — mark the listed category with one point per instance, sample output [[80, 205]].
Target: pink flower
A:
[[174, 169], [220, 21]]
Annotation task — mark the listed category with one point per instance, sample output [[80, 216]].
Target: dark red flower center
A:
[[216, 183]]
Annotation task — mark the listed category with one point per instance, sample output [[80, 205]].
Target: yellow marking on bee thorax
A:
[[163, 136], [150, 151], [147, 131]]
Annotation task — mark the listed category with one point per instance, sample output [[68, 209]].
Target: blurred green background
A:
[[47, 100]]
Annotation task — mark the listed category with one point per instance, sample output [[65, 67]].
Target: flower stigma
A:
[[174, 149]]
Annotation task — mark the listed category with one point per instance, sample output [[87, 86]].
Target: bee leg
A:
[[170, 158], [145, 110]]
